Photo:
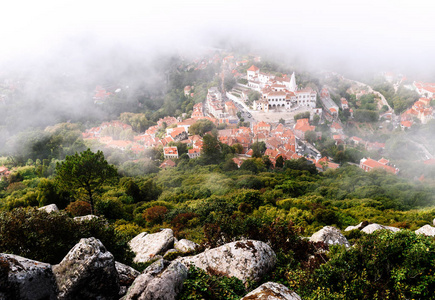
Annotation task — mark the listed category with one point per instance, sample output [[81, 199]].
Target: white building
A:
[[279, 92]]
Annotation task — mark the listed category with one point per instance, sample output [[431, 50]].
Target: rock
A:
[[87, 272], [170, 253], [25, 279], [330, 236], [373, 227], [272, 291], [426, 230], [246, 260], [49, 208], [162, 280], [126, 276], [85, 218], [147, 246], [433, 222], [359, 226], [185, 246]]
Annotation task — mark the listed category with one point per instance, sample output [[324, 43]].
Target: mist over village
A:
[[217, 150]]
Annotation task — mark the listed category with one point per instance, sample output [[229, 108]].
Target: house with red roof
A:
[[339, 139], [238, 161], [301, 127], [344, 104], [327, 164], [198, 111], [168, 120], [178, 134], [357, 140], [252, 72], [336, 128], [187, 90], [194, 153], [167, 164], [273, 155], [170, 152], [368, 164], [405, 124], [242, 62]]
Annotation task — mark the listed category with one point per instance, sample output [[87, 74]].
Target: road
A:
[[423, 149]]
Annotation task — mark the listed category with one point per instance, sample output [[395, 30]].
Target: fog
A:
[[58, 51], [351, 34]]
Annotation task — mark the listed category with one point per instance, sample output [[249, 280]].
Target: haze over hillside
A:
[[336, 34]]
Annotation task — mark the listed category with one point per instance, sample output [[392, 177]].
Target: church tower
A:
[[293, 87]]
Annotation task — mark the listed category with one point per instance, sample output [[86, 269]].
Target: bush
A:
[[381, 265], [79, 208], [155, 214], [199, 285], [47, 237]]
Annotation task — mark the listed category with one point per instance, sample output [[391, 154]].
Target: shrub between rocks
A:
[[47, 237]]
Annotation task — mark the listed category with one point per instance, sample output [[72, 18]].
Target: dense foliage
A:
[[48, 237]]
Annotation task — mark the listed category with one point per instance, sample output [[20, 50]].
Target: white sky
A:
[[398, 29]]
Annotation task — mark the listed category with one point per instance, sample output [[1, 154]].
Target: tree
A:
[[279, 162], [211, 149], [282, 121], [258, 148], [304, 115], [249, 165], [310, 136], [87, 172], [238, 148], [201, 127], [316, 119]]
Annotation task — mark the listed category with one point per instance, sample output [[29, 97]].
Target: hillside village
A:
[[298, 117], [286, 139]]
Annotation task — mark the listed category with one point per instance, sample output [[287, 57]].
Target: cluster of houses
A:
[[225, 112], [425, 89], [421, 110], [278, 92]]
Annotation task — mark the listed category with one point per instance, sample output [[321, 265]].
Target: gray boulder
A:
[[126, 275], [85, 218], [373, 227], [147, 246], [359, 226], [426, 230], [26, 279], [330, 236], [87, 272], [162, 280], [246, 260], [185, 246], [272, 291], [49, 208]]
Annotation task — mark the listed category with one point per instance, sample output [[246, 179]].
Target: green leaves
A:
[[86, 172], [200, 285]]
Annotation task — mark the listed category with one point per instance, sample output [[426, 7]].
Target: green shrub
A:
[[200, 285], [381, 265], [48, 237]]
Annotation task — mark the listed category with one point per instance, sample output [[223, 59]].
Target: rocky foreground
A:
[[89, 271]]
